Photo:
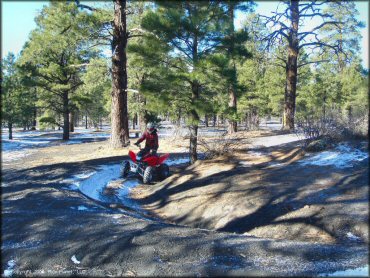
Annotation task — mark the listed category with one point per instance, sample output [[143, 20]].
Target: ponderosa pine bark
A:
[[65, 116], [10, 129], [194, 119], [71, 121], [119, 113], [233, 125], [232, 89], [291, 69]]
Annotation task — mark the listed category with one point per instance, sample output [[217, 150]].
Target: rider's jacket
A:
[[151, 140]]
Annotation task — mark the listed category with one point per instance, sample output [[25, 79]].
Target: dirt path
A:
[[267, 193], [50, 230]]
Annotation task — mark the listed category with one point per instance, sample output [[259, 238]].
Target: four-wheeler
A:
[[150, 167]]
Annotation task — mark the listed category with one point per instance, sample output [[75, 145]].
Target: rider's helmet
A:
[[150, 127]]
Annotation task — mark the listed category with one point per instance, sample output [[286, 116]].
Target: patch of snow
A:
[[82, 208], [352, 236], [36, 139], [269, 141], [94, 185], [74, 259], [357, 272], [245, 163], [74, 182], [342, 156], [85, 175], [276, 164], [254, 153], [9, 271], [177, 161], [8, 156], [71, 142]]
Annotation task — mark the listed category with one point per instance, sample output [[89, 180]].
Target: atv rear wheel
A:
[[125, 169], [164, 171], [148, 174]]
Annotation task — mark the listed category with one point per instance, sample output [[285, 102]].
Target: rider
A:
[[151, 143]]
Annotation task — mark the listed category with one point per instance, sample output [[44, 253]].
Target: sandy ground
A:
[[51, 230]]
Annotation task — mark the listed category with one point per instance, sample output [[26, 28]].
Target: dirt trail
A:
[[263, 191]]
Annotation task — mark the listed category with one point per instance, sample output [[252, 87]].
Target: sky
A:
[[17, 21]]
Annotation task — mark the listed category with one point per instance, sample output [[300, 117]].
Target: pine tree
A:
[[233, 50], [297, 13], [17, 95], [55, 51], [192, 29]]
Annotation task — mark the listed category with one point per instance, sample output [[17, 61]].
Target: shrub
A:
[[220, 145]]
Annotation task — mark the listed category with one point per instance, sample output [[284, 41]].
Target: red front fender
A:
[[132, 156], [163, 158]]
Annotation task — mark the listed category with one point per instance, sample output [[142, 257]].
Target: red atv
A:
[[149, 167]]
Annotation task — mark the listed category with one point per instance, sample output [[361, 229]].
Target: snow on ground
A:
[[35, 138], [14, 155], [271, 125], [25, 142], [357, 272], [93, 183], [74, 182], [170, 162], [83, 208], [342, 156], [275, 140], [353, 237], [74, 260], [8, 272]]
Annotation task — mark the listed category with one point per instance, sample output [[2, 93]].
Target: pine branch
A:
[[312, 62], [319, 27], [82, 6]]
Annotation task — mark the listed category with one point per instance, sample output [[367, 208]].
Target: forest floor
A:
[[257, 211]]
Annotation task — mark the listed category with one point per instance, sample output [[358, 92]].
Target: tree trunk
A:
[[232, 106], [350, 116], [134, 121], [76, 118], [214, 120], [34, 123], [206, 120], [194, 119], [10, 128], [120, 128], [65, 116], [86, 121], [178, 122], [232, 89], [291, 69], [71, 121]]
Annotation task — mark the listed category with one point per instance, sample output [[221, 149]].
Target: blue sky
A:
[[18, 20]]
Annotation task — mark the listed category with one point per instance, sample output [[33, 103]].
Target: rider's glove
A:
[[136, 144], [154, 152]]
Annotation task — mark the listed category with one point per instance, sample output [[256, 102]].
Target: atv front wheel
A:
[[125, 169], [148, 174], [164, 171]]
